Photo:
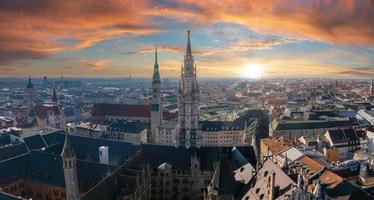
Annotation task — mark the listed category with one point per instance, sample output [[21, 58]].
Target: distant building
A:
[[6, 122], [134, 132], [86, 129], [224, 133], [366, 177], [346, 141], [167, 133], [104, 112], [294, 129], [368, 115]]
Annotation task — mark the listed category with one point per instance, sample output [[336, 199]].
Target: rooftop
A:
[[276, 145], [124, 110]]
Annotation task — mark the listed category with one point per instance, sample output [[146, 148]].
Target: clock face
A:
[[155, 107]]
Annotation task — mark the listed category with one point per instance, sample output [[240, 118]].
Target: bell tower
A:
[[69, 161], [30, 101], [156, 111]]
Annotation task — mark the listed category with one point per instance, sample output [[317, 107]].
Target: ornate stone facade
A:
[[188, 101]]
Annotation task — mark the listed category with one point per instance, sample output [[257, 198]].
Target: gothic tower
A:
[[188, 100], [54, 117], [30, 101], [156, 111], [70, 170], [54, 97]]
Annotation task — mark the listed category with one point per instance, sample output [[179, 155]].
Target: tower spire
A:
[[156, 73], [188, 116], [29, 84], [156, 56], [67, 151], [156, 111], [54, 96], [188, 50], [69, 164]]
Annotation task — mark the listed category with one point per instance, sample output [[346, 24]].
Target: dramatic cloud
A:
[[36, 32], [340, 21], [232, 47], [161, 48], [32, 29]]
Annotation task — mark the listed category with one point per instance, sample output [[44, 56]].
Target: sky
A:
[[236, 38]]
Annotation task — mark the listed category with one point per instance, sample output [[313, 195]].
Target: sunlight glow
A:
[[253, 71]]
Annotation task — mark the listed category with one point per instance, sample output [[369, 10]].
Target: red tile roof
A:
[[124, 110], [170, 115], [41, 111]]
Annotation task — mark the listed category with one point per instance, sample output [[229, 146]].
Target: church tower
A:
[[188, 100], [54, 97], [69, 161], [30, 101], [156, 111], [54, 117]]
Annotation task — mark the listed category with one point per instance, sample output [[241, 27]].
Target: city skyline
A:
[[250, 39]]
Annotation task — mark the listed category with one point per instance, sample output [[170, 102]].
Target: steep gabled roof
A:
[[123, 110], [337, 136], [223, 181], [258, 185], [6, 196], [35, 142], [13, 150]]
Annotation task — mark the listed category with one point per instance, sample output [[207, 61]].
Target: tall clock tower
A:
[[188, 100], [156, 111]]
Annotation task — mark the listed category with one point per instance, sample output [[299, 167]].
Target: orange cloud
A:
[[38, 28], [234, 47], [342, 21], [35, 29], [161, 48]]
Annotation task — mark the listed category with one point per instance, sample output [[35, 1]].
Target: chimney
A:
[[104, 155]]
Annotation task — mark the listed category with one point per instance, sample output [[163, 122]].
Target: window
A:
[[266, 173]]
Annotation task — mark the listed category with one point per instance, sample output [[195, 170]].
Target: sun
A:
[[253, 71]]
